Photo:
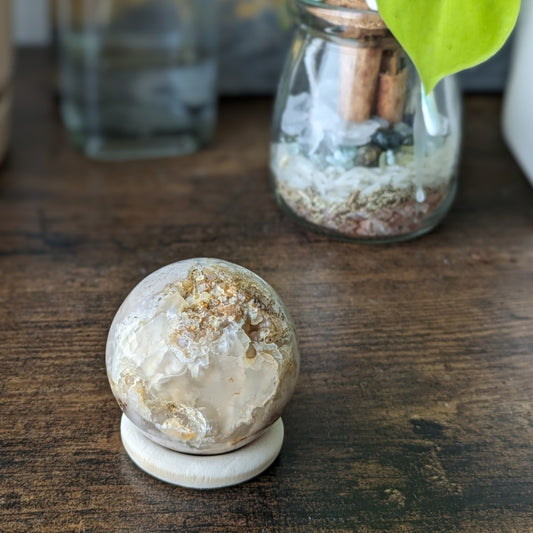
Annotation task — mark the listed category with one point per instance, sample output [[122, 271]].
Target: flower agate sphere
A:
[[202, 356]]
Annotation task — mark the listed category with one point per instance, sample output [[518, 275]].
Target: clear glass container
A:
[[137, 78], [359, 150]]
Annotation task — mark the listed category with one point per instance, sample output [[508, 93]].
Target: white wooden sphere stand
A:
[[202, 471]]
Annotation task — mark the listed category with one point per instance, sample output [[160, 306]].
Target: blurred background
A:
[[138, 78], [253, 29], [253, 37]]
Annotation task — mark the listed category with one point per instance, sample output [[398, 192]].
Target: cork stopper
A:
[[352, 4]]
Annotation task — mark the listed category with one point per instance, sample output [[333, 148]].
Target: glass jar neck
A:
[[338, 22]]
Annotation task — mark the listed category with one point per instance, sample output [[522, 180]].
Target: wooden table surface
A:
[[413, 411]]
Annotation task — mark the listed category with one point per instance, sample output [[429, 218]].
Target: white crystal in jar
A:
[[202, 356]]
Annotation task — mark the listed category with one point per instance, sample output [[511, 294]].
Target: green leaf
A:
[[443, 37]]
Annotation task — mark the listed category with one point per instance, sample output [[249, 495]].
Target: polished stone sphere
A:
[[202, 356]]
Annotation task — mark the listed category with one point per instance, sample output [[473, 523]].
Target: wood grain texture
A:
[[413, 412]]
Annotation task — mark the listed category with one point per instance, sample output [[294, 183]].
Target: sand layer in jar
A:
[[392, 199]]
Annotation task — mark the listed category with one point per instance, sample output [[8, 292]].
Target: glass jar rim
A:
[[320, 4], [347, 23]]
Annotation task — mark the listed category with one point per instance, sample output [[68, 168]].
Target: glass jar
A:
[[137, 78], [359, 151]]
